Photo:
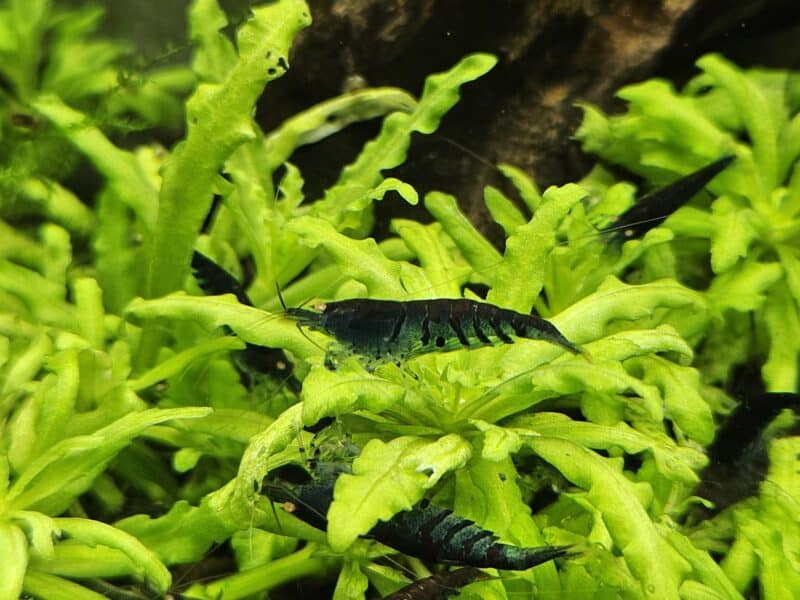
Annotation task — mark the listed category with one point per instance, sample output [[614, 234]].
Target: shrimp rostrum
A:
[[394, 330]]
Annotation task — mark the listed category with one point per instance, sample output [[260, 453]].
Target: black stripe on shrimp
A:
[[396, 330], [426, 531], [215, 280]]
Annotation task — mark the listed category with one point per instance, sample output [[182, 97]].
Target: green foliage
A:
[[749, 231], [53, 50], [118, 393]]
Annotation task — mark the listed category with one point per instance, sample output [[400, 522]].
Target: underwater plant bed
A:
[[213, 385]]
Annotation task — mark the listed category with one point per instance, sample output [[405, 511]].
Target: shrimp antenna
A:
[[280, 296], [468, 151], [275, 514], [305, 335], [285, 309]]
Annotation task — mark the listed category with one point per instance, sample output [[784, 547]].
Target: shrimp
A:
[[426, 531], [214, 280], [653, 209], [439, 586], [395, 330], [738, 455]]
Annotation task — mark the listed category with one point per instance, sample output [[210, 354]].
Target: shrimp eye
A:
[[439, 341], [289, 507]]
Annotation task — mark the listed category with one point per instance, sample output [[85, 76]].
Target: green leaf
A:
[[475, 248], [388, 150], [239, 504], [657, 566], [752, 106], [121, 168], [359, 259], [52, 481], [181, 361], [58, 204], [503, 210], [733, 234], [89, 309], [250, 324], [219, 120], [678, 463], [498, 442], [182, 535], [525, 186], [214, 53], [440, 274], [704, 568], [388, 478], [115, 253], [81, 561], [96, 533], [352, 583], [744, 288], [28, 363], [518, 280], [532, 380], [683, 403], [302, 564], [327, 393], [585, 320], [392, 184], [40, 531], [44, 585], [780, 371], [331, 116], [13, 559]]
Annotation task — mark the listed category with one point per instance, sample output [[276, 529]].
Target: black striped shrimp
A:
[[426, 531], [654, 208], [738, 455], [215, 280], [396, 330]]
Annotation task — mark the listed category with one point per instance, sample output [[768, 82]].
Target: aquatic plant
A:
[[748, 233], [131, 443]]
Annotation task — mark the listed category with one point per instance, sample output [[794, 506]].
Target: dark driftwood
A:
[[552, 53]]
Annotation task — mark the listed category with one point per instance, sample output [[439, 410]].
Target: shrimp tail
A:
[[551, 333], [437, 534], [215, 280]]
